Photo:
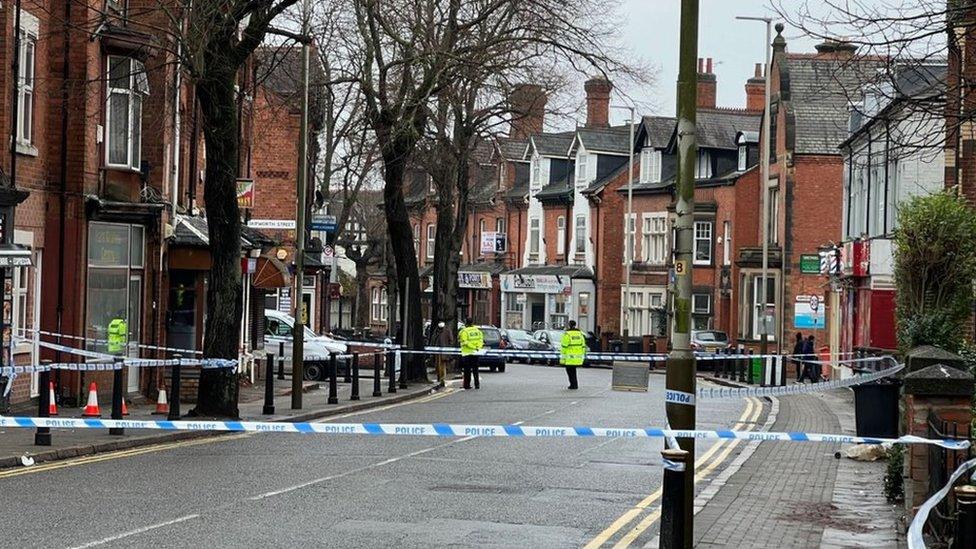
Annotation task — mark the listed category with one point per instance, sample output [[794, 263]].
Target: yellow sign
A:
[[681, 267]]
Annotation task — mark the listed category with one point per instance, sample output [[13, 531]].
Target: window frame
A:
[[650, 165], [581, 168], [742, 161], [560, 235], [703, 164], [710, 238], [431, 239], [655, 234], [29, 32], [134, 96], [580, 234], [630, 238], [535, 238]]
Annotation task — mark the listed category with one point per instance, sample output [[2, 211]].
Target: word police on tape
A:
[[679, 397], [458, 430]]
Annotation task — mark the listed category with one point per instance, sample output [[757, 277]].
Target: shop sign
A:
[[808, 313], [245, 193], [857, 258], [474, 280], [810, 264], [545, 284], [493, 242]]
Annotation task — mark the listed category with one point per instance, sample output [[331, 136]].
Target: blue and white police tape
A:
[[915, 539], [743, 392], [461, 430], [26, 331], [206, 363]]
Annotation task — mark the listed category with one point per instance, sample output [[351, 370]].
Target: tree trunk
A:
[[395, 157], [218, 390], [362, 295]]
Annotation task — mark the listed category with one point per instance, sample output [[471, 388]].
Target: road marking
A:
[[634, 512], [650, 519], [135, 532]]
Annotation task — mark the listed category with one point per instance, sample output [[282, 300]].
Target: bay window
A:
[[127, 87]]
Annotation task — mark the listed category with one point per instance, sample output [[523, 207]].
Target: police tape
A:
[[915, 538], [105, 341], [743, 392], [461, 430], [206, 363]]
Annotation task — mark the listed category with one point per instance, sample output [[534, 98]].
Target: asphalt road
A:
[[289, 490]]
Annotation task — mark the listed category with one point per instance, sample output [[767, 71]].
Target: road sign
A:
[[321, 222], [282, 224], [328, 251]]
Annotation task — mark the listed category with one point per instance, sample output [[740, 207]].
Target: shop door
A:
[[135, 324], [181, 328], [537, 314]]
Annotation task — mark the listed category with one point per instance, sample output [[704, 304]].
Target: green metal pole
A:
[[298, 334], [681, 361]]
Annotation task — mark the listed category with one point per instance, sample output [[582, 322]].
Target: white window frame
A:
[[481, 233], [431, 238], [29, 31], [703, 164], [702, 234], [535, 173], [137, 89], [695, 310], [580, 232], [759, 309], [773, 229], [380, 303], [743, 159], [630, 238], [727, 242], [650, 165], [535, 238], [560, 235], [500, 225], [655, 238], [581, 162]]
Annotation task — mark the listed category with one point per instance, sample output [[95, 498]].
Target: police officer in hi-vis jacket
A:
[[572, 352]]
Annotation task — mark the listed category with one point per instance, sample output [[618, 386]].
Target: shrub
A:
[[894, 485], [935, 265]]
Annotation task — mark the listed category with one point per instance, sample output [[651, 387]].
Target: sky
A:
[[735, 46]]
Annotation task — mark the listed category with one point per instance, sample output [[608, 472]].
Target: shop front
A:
[[548, 297], [479, 295]]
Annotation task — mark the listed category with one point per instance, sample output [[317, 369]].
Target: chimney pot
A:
[[708, 63], [759, 70], [706, 84], [701, 65]]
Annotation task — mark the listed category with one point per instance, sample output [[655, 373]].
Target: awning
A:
[[270, 273], [15, 255]]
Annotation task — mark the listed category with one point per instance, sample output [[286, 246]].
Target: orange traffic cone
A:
[[162, 405], [125, 409], [52, 408], [91, 409]]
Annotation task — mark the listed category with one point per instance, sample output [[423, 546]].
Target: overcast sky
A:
[[735, 46]]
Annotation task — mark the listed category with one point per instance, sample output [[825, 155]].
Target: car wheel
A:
[[501, 368], [314, 371], [492, 368]]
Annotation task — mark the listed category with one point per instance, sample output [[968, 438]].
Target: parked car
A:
[[552, 339], [524, 341], [709, 341], [493, 340], [278, 329]]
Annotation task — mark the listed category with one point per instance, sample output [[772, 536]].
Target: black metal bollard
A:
[[377, 376], [391, 371], [743, 364], [281, 360], [117, 381], [403, 371], [42, 437], [673, 500], [174, 386], [269, 406], [966, 523], [347, 378], [355, 377], [333, 391]]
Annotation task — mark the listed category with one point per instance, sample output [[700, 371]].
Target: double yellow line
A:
[[702, 467]]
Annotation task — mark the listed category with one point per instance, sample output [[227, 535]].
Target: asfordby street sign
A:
[[321, 222]]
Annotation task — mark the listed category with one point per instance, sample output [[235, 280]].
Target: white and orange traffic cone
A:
[[52, 407], [125, 409], [162, 405], [91, 409]]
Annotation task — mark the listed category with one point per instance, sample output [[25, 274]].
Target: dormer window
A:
[[127, 86], [743, 158], [581, 160], [650, 166], [703, 168], [535, 179]]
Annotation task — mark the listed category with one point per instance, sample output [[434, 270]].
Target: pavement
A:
[[286, 490], [71, 443]]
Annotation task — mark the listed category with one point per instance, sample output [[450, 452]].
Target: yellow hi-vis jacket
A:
[[471, 340], [572, 350], [118, 333]]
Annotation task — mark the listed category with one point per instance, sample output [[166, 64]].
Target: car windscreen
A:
[[520, 335], [719, 337], [491, 335]]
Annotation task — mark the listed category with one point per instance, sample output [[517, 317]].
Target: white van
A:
[[317, 348]]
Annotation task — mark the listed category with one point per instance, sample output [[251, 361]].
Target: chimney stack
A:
[[528, 105], [756, 90], [836, 49], [707, 84], [598, 102]]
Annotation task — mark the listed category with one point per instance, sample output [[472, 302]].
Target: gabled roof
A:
[[615, 139], [598, 185], [552, 144], [513, 150], [556, 190], [717, 128], [657, 129], [819, 89]]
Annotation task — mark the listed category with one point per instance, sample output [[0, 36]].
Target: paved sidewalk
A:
[[798, 494], [69, 443]]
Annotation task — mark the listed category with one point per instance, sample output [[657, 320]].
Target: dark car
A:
[[493, 340], [524, 341]]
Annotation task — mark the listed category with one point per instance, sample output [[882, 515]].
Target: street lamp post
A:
[[628, 234], [298, 333], [764, 184]]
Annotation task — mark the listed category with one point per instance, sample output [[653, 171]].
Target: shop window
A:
[[514, 305], [127, 86], [560, 314], [25, 78], [115, 262], [703, 243]]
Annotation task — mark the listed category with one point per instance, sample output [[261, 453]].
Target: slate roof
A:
[[556, 189], [518, 191], [820, 91], [482, 267], [716, 128], [658, 130], [574, 271], [513, 149], [615, 139], [191, 231], [597, 185], [554, 144]]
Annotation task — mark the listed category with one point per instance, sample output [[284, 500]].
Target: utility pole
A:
[[630, 234], [298, 333], [764, 184], [681, 361]]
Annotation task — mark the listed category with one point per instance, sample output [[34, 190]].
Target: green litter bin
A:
[[755, 374]]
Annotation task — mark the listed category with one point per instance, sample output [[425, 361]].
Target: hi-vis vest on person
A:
[[118, 333], [572, 350], [471, 340]]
